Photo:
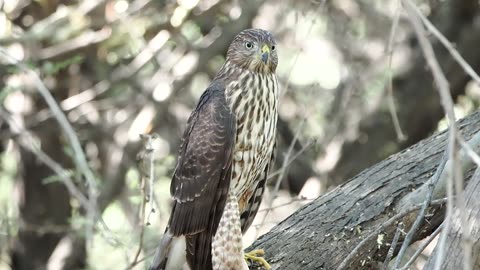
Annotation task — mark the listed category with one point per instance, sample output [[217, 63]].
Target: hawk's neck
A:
[[244, 88]]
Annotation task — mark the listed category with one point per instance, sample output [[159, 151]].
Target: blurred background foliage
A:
[[120, 68]]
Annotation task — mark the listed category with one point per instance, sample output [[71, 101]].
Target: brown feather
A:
[[202, 177], [230, 133]]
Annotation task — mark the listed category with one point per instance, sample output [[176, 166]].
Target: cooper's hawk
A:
[[224, 159]]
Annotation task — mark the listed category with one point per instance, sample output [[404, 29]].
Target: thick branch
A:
[[321, 234]]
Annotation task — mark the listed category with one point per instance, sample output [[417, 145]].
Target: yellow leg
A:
[[256, 256]]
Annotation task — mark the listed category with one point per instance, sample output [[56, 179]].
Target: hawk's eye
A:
[[248, 45], [273, 48]]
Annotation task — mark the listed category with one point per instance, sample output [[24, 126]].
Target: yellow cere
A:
[[265, 48]]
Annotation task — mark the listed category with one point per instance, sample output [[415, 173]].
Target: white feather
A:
[[177, 254]]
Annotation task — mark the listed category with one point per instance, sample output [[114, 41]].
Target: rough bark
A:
[[321, 234], [418, 103], [454, 245]]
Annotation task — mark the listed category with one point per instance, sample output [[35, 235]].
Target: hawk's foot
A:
[[257, 256]]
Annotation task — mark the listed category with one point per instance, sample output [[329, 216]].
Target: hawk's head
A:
[[255, 50]]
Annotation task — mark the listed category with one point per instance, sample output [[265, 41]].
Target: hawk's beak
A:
[[265, 53]]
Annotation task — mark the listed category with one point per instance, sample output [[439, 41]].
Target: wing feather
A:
[[202, 176]]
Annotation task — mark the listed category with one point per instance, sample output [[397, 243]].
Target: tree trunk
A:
[[321, 234]]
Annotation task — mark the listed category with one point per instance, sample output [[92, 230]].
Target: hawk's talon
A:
[[256, 256]]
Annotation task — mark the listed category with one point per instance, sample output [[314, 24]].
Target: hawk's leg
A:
[[257, 256], [227, 246]]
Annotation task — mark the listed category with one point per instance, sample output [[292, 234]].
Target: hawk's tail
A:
[[170, 254]]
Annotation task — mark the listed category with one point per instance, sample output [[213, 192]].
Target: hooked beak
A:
[[265, 53]]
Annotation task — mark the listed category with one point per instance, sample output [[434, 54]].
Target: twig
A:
[[468, 150], [79, 156], [146, 160], [293, 158], [421, 214], [152, 174], [422, 248], [84, 40], [119, 74], [297, 199], [391, 250], [300, 51], [447, 103], [391, 101], [33, 147], [148, 255], [467, 227], [149, 151], [49, 26], [447, 44], [282, 171], [382, 227]]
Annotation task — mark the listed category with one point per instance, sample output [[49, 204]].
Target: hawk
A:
[[222, 167]]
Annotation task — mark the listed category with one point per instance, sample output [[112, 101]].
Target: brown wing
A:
[[202, 176], [251, 209]]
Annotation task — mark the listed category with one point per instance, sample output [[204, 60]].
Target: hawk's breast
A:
[[254, 100]]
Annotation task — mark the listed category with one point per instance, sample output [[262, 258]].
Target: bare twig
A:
[[296, 199], [30, 145], [148, 255], [467, 243], [49, 26], [282, 172], [421, 214], [292, 158], [150, 158], [119, 74], [300, 51], [79, 156], [447, 44], [447, 103], [391, 101], [393, 246], [84, 40], [469, 150], [422, 248]]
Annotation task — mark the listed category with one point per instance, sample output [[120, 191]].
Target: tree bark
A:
[[321, 234], [454, 249]]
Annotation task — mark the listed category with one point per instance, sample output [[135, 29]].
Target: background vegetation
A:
[[117, 69]]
